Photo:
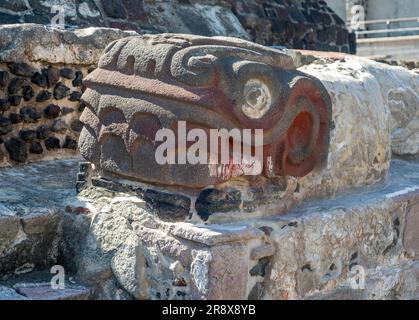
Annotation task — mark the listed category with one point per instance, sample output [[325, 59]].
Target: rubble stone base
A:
[[357, 246]]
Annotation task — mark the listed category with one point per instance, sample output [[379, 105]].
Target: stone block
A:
[[411, 231], [44, 291]]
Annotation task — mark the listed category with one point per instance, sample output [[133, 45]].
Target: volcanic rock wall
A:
[[302, 24], [298, 24], [41, 73]]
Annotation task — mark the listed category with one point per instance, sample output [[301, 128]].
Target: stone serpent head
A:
[[147, 83]]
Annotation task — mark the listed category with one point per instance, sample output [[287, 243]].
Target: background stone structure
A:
[[40, 89], [301, 24]]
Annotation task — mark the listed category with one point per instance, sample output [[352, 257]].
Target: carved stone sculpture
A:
[[147, 83]]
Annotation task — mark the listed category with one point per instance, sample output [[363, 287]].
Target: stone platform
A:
[[114, 243]]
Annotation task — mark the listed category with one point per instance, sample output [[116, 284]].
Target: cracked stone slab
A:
[[7, 293], [214, 234], [37, 188], [44, 291]]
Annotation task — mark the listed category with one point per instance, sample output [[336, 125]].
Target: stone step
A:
[[27, 242], [35, 286], [32, 201]]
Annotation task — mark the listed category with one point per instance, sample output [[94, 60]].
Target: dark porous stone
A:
[[76, 125], [61, 91], [66, 110], [15, 100], [4, 78], [27, 135], [36, 148], [5, 125], [21, 69], [44, 95], [78, 79], [212, 200], [342, 37], [52, 143], [16, 84], [30, 114], [40, 79], [59, 125], [114, 9], [8, 18], [17, 149], [70, 143], [42, 132], [170, 207], [53, 76], [67, 73], [15, 118], [27, 93], [52, 111], [82, 106], [260, 268], [4, 105], [75, 96], [257, 292]]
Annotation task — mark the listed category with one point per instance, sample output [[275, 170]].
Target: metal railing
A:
[[388, 30]]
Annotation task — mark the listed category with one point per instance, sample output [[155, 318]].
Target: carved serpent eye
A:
[[257, 99]]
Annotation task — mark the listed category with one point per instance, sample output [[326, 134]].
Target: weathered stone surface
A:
[[78, 79], [53, 76], [17, 149], [15, 85], [43, 95], [27, 93], [397, 86], [29, 114], [21, 69], [52, 143], [295, 24], [27, 135], [4, 78], [59, 125], [67, 73], [52, 111], [36, 148], [31, 199], [70, 143], [114, 9], [74, 96], [310, 253], [40, 79], [5, 125], [83, 46], [10, 294], [295, 122], [411, 234], [15, 118], [15, 100], [76, 125], [61, 91], [4, 105], [42, 132], [43, 291]]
